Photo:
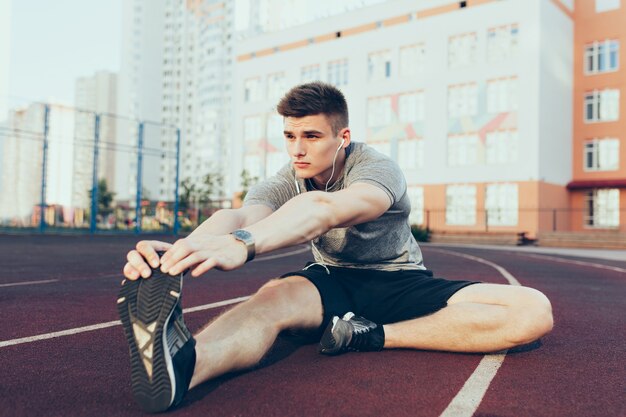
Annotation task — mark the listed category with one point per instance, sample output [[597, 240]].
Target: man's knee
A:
[[531, 316], [292, 301]]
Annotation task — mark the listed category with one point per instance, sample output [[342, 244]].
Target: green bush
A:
[[421, 234]]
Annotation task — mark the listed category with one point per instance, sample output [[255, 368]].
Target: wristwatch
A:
[[245, 237]]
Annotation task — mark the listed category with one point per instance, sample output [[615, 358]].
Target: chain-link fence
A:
[[68, 169]]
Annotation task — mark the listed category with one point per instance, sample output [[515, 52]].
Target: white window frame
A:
[[310, 73], [252, 90], [337, 72], [461, 205], [604, 105], [502, 42], [411, 107], [602, 208], [410, 154], [502, 204], [501, 147], [379, 111], [462, 50], [463, 149], [607, 5], [412, 60], [597, 52], [276, 86], [383, 147], [603, 154], [252, 128], [379, 65], [462, 100], [502, 95]]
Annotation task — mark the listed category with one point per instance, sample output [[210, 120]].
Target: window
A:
[[461, 205], [382, 147], [252, 90], [602, 56], [501, 203], [411, 107], [379, 65], [461, 50], [275, 161], [602, 208], [310, 73], [502, 95], [501, 147], [276, 86], [416, 196], [462, 150], [275, 128], [606, 5], [253, 165], [462, 100], [411, 154], [602, 105], [502, 43], [338, 72], [601, 155], [379, 111], [252, 129], [412, 60]]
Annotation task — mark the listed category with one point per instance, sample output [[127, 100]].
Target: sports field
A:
[[63, 353]]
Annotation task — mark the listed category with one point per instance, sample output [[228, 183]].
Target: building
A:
[[197, 78], [94, 95], [461, 94], [597, 189], [139, 97], [22, 164]]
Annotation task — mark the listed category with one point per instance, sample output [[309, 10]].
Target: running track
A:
[[52, 284]]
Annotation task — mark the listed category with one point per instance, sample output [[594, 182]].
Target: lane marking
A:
[[15, 284], [99, 326], [467, 400], [571, 261]]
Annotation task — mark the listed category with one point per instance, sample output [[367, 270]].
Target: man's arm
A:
[[227, 220], [299, 220], [312, 214]]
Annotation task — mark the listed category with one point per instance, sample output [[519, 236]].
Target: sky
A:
[[53, 42]]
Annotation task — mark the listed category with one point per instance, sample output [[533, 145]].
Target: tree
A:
[[105, 198], [187, 196], [211, 185], [247, 180]]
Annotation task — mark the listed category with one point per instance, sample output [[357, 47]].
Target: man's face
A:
[[311, 145]]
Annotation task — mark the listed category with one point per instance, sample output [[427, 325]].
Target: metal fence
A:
[[69, 169], [530, 220]]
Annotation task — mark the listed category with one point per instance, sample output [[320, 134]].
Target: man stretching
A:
[[367, 290]]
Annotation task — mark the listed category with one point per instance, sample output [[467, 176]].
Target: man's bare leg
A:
[[242, 336], [478, 318]]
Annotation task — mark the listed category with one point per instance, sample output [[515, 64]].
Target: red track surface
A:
[[579, 370]]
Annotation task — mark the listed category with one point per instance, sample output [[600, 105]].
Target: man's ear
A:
[[344, 134]]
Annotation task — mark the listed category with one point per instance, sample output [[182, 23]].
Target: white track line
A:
[[467, 400], [15, 284], [83, 329], [99, 326]]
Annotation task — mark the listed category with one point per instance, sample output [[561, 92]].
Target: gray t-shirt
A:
[[385, 243]]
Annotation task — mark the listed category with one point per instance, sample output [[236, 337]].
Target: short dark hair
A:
[[316, 98]]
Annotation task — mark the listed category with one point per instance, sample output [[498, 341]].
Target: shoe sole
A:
[[145, 307], [333, 339]]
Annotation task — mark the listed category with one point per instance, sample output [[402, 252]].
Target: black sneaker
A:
[[352, 333], [162, 350]]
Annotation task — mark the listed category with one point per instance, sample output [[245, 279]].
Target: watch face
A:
[[243, 235]]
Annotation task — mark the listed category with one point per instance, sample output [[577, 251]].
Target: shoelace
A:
[[360, 334]]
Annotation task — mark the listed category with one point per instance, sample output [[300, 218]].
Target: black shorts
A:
[[380, 296]]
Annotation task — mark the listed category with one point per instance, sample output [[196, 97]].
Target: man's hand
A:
[[145, 251], [204, 252]]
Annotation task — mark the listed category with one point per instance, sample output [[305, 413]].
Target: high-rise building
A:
[[139, 94], [22, 165], [5, 50], [94, 95], [197, 79], [461, 95]]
